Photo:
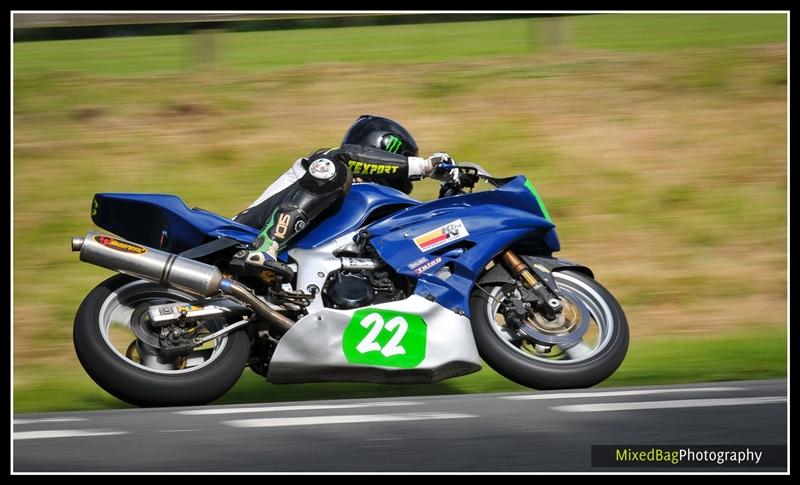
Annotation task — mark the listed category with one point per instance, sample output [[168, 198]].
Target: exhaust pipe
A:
[[77, 243], [169, 270]]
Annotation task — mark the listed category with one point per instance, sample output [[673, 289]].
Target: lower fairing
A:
[[313, 349]]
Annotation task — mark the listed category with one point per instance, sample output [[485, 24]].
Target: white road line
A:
[[638, 392], [46, 420], [305, 407], [344, 419], [679, 403], [64, 433]]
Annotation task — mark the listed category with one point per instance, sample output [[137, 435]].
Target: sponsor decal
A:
[[364, 168], [283, 225], [190, 308], [385, 338], [322, 168], [413, 265], [393, 144], [440, 236], [541, 268], [123, 246], [428, 265]]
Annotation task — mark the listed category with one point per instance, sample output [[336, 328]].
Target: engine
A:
[[362, 282]]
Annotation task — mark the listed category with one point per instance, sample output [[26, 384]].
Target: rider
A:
[[374, 149]]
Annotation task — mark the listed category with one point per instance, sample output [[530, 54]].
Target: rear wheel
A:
[[128, 364], [591, 335]]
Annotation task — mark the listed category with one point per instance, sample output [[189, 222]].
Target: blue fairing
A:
[[494, 220], [360, 203], [490, 222], [142, 218]]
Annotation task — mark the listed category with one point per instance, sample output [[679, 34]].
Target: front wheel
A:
[[128, 364], [575, 361]]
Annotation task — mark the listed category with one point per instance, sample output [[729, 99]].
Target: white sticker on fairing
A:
[[428, 265], [417, 263], [442, 235]]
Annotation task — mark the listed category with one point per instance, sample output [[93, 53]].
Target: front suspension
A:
[[543, 296]]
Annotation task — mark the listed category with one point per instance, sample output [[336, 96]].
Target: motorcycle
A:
[[385, 289]]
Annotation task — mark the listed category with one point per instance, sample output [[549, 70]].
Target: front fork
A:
[[543, 293]]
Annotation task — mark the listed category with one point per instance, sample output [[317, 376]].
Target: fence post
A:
[[204, 46], [552, 32]]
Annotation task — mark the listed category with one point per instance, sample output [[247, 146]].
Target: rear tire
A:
[[539, 372], [132, 382]]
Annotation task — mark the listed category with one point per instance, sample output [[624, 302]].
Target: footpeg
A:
[[240, 266]]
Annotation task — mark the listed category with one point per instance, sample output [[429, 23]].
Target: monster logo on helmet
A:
[[381, 133], [391, 143]]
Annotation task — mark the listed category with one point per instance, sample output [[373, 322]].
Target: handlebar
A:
[[466, 168], [447, 166], [463, 176]]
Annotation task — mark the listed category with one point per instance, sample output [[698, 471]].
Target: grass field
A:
[[661, 157], [402, 44]]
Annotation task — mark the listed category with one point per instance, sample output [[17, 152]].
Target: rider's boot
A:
[[263, 258], [262, 254]]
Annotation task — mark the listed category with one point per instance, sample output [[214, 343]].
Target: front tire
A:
[[104, 315], [581, 366]]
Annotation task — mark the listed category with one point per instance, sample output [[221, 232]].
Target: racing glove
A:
[[427, 167]]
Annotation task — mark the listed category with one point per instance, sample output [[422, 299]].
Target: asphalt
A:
[[510, 432]]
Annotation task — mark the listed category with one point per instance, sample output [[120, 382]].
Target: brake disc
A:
[[566, 330], [141, 326]]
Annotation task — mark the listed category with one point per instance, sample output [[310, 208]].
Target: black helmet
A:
[[381, 133]]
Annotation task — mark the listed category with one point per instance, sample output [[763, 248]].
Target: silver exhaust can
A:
[[151, 264]]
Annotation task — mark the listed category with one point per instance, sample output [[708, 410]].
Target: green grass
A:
[[658, 32], [645, 160], [401, 44], [726, 357], [275, 49]]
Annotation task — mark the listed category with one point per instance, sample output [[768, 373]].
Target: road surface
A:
[[509, 432]]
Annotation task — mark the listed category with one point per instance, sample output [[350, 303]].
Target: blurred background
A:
[[658, 142]]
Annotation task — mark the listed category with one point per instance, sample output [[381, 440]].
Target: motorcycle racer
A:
[[374, 149]]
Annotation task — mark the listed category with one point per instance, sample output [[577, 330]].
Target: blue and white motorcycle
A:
[[386, 289]]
